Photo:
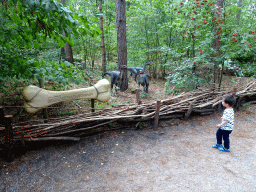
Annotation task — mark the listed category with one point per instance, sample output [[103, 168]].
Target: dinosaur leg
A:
[[146, 83], [116, 85], [145, 88], [112, 85]]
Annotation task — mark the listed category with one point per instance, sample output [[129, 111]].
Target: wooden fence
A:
[[199, 102]]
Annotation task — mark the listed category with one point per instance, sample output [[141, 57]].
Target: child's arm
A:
[[223, 123]]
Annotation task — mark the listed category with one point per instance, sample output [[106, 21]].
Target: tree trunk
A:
[[169, 40], [67, 49], [91, 47], [85, 55], [216, 44], [121, 44], [62, 55], [68, 53], [147, 36], [5, 4], [103, 56], [240, 2]]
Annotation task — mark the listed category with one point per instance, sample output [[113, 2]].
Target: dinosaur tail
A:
[[108, 73], [132, 70]]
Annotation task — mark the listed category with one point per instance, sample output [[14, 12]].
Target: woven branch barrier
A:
[[199, 102]]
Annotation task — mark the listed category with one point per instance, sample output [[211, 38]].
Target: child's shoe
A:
[[217, 146], [223, 149]]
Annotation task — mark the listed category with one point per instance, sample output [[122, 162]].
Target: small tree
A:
[[67, 49], [103, 51]]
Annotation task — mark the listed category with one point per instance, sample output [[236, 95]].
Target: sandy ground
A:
[[173, 158]]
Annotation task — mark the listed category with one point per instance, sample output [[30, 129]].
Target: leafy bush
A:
[[183, 77], [63, 73], [11, 89]]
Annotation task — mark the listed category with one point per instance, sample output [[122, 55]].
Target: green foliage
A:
[[29, 23], [66, 113], [62, 73], [11, 88], [200, 23], [175, 31], [247, 106], [166, 32], [16, 62], [26, 26], [184, 78], [91, 74], [112, 66], [90, 47], [234, 81], [144, 95]]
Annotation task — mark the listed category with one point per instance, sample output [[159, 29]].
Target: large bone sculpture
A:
[[38, 98]]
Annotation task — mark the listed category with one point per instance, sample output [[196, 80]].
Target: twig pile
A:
[[199, 102]]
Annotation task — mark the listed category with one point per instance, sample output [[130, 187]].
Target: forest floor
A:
[[177, 157]]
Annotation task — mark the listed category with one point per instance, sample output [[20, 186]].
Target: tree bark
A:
[[85, 55], [147, 37], [5, 4], [240, 2], [103, 56], [121, 44], [217, 43], [67, 49], [68, 53]]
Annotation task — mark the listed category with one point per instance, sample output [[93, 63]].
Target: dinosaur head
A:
[[149, 63]]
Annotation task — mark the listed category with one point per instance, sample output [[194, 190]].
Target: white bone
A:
[[40, 98]]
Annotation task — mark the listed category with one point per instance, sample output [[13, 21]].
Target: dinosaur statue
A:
[[133, 71], [114, 78], [136, 70], [114, 75], [144, 81]]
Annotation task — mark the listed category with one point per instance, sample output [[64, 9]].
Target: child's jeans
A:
[[225, 135]]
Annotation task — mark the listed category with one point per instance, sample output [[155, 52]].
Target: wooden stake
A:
[[138, 96], [8, 132], [190, 109], [22, 139], [8, 129], [2, 115], [234, 92], [157, 115], [92, 105], [219, 107]]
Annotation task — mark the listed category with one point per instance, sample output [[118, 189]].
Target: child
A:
[[227, 124]]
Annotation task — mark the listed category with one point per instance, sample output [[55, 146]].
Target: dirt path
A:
[[174, 158]]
